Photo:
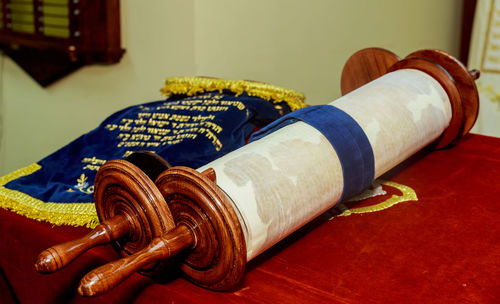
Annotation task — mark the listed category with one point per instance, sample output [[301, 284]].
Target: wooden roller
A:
[[130, 207], [226, 213]]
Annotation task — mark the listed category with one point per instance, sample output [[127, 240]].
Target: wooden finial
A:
[[59, 256], [123, 188], [474, 74], [127, 204], [106, 277], [207, 229], [217, 258], [210, 174]]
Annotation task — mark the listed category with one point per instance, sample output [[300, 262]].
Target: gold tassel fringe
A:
[[196, 85], [73, 214]]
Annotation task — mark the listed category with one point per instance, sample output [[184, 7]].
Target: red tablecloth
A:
[[442, 248]]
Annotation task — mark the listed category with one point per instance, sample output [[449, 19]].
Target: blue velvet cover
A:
[[187, 131]]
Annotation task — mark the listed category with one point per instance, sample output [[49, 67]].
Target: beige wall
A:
[[304, 44], [298, 44], [488, 122]]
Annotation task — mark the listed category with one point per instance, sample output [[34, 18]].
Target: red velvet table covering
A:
[[442, 248]]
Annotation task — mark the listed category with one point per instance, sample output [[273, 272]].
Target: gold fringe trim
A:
[[408, 195], [73, 214], [196, 85]]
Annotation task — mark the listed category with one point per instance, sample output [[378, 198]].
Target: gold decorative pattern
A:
[[195, 85], [408, 195], [83, 186], [73, 214]]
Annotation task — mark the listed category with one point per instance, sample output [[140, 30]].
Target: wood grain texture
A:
[[93, 37], [59, 256], [210, 174], [217, 259], [122, 188], [468, 12], [106, 277], [427, 66], [462, 79], [459, 83], [131, 210], [364, 66]]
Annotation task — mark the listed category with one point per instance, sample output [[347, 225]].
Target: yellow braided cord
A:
[[73, 214], [194, 85]]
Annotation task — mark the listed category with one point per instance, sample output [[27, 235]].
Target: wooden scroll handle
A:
[[104, 278], [57, 257], [121, 211], [474, 74]]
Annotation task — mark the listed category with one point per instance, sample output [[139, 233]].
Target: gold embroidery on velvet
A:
[[73, 214], [155, 129], [408, 195], [82, 184], [196, 85]]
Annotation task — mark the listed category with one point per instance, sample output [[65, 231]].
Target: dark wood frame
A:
[[94, 38], [468, 12]]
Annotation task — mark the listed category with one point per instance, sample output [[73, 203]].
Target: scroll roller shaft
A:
[[104, 278], [59, 256]]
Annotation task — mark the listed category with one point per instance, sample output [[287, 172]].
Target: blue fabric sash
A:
[[346, 137]]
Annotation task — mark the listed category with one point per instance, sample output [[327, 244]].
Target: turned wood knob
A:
[[131, 209], [207, 230], [123, 188], [475, 74], [148, 223], [105, 277], [194, 230], [57, 257]]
